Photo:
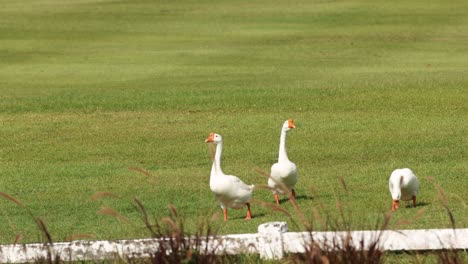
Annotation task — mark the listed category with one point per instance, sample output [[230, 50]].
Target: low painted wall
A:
[[272, 241]]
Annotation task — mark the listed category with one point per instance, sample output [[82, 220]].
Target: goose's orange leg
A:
[[249, 213], [225, 214], [277, 199], [414, 200]]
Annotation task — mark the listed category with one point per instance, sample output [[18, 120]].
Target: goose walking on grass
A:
[[403, 185], [228, 189], [283, 176]]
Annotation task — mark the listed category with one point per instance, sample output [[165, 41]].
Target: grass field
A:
[[89, 89]]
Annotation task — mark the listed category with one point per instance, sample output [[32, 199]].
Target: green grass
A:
[[91, 88]]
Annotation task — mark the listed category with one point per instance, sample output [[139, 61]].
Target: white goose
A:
[[229, 190], [283, 174], [403, 185]]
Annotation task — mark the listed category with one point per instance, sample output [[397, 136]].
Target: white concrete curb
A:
[[272, 241]]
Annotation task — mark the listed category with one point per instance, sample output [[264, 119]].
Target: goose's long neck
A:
[[216, 168], [282, 156]]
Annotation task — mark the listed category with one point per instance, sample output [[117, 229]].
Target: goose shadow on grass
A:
[[298, 198], [254, 215], [409, 204]]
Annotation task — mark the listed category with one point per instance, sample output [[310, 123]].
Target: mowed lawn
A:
[[91, 89]]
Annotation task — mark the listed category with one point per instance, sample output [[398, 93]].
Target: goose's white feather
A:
[[230, 191], [403, 184], [283, 174]]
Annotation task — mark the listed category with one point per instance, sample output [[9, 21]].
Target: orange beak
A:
[[395, 205], [210, 138], [291, 123]]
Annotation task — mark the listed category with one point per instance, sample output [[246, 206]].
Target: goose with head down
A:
[[403, 185], [283, 175], [230, 191]]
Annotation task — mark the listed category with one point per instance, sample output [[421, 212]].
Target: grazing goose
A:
[[229, 190], [403, 185], [283, 174]]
